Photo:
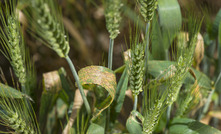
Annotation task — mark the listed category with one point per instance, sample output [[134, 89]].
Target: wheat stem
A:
[[73, 70], [135, 102], [110, 54], [110, 62]]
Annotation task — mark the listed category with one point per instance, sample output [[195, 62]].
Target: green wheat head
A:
[[187, 100], [113, 16], [152, 116], [154, 103], [45, 17], [184, 63], [184, 106], [18, 124], [16, 115], [182, 67], [137, 69], [147, 8], [12, 40]]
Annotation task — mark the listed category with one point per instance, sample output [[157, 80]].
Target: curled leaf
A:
[[133, 126], [101, 76]]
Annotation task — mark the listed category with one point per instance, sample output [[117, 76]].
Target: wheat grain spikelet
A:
[[113, 17], [152, 117], [16, 56], [147, 8], [49, 27], [19, 125], [137, 69], [183, 64], [16, 114], [12, 40]]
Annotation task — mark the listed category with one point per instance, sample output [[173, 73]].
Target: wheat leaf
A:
[[101, 76]]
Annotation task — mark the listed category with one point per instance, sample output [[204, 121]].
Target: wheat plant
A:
[[12, 40], [45, 16], [173, 92], [16, 115], [113, 19]]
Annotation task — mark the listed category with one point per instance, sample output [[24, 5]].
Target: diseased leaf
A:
[[52, 82], [99, 76], [190, 126], [51, 88]]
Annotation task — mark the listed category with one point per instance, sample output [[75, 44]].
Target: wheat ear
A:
[[152, 117], [12, 40], [48, 25], [182, 67], [137, 69], [16, 114], [113, 17], [147, 8]]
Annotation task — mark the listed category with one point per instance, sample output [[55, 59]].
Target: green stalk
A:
[[110, 62], [135, 102], [110, 54], [71, 65]]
